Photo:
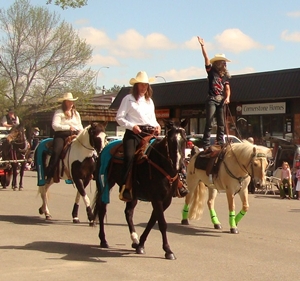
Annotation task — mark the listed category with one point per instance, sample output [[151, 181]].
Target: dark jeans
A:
[[214, 108], [58, 145], [130, 144]]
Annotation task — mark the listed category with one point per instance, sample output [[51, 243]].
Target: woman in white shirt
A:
[[137, 114], [66, 122]]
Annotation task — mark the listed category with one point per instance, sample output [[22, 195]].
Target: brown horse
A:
[[155, 179], [15, 149]]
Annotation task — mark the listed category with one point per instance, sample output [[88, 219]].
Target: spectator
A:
[[251, 140], [10, 119], [286, 181], [298, 182]]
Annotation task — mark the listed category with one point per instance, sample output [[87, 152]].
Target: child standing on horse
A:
[[218, 94]]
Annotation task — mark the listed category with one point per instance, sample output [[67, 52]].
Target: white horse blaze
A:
[[179, 156]]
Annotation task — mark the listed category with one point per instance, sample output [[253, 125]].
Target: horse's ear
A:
[[254, 151], [168, 123], [184, 123]]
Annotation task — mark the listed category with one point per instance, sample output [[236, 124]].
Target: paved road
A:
[[267, 247]]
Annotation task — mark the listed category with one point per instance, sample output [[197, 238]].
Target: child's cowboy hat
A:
[[219, 57], [67, 96], [141, 77]]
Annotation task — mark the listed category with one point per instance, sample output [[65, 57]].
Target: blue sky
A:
[[159, 36]]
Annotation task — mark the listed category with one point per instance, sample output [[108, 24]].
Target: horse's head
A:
[[17, 134], [175, 142], [259, 163], [97, 136]]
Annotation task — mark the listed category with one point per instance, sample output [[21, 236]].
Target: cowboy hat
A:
[[219, 57], [67, 96], [141, 77], [36, 129], [10, 110]]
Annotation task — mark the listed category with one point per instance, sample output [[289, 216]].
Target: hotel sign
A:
[[162, 113], [262, 108]]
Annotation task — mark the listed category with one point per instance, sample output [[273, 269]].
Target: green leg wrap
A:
[[239, 216], [185, 212], [213, 217], [232, 219]]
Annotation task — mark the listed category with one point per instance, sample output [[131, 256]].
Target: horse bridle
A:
[[259, 156]]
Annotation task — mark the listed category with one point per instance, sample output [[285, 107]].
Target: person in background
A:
[[137, 114], [66, 122], [298, 181], [251, 140], [10, 119], [34, 138], [286, 181], [218, 94]]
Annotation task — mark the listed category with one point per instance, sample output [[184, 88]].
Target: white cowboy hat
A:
[[141, 77], [219, 57], [67, 96]]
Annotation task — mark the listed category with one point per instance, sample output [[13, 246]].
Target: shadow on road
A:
[[72, 251]]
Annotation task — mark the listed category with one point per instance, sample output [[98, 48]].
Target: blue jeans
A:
[[214, 108]]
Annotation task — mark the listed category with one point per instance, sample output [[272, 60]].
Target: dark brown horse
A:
[[15, 149], [155, 179]]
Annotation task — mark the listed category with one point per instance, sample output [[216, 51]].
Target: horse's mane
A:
[[245, 149]]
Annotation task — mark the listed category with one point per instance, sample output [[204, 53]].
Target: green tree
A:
[[40, 57], [64, 4]]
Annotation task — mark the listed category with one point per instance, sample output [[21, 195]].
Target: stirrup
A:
[[125, 199]]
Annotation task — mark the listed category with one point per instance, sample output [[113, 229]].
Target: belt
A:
[[147, 128]]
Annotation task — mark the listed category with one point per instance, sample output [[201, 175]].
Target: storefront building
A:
[[262, 104]]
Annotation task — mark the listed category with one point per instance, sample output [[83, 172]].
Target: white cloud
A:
[[95, 37], [293, 36], [294, 14], [98, 59], [234, 40]]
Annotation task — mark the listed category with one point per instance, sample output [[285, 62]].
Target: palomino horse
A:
[[78, 165], [154, 179], [240, 162], [15, 149]]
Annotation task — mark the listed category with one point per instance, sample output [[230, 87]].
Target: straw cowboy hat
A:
[[67, 96], [219, 57], [141, 77], [36, 129]]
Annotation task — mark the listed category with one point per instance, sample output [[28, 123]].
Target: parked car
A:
[[112, 138], [196, 139]]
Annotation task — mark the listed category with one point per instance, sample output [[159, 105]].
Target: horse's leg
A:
[[101, 210], [44, 208], [231, 208], [185, 214], [22, 169], [212, 194], [76, 208], [80, 185], [244, 198], [129, 210], [14, 179], [157, 215]]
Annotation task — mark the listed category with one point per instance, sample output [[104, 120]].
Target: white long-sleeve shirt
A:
[[61, 123], [132, 112]]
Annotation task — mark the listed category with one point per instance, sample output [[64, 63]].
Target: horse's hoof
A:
[[15, 188], [140, 250], [218, 226], [41, 211], [21, 188], [185, 222], [92, 223], [134, 245], [234, 231], [76, 220], [170, 256], [104, 245], [48, 217]]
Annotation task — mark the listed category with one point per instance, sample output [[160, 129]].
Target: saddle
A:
[[210, 159], [140, 156], [67, 144]]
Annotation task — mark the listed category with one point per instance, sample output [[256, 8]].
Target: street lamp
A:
[[98, 73], [157, 76]]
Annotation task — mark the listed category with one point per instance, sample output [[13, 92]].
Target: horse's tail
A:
[[197, 202]]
